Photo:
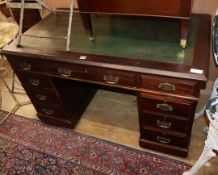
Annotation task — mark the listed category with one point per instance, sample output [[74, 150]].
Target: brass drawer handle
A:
[[64, 72], [48, 111], [34, 82], [167, 87], [164, 107], [25, 66], [110, 79], [164, 124], [163, 139], [41, 97]]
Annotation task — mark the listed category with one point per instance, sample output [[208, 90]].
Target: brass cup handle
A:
[[110, 79], [164, 124], [25, 66], [41, 97], [164, 107], [34, 82], [48, 111], [167, 87], [164, 140], [64, 72]]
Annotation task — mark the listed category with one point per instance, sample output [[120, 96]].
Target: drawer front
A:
[[43, 96], [167, 105], [112, 77], [98, 75], [34, 80], [50, 110], [164, 138], [170, 85], [139, 7], [25, 64], [162, 122]]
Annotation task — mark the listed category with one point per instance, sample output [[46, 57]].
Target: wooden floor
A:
[[118, 124]]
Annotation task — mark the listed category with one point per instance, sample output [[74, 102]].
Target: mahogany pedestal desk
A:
[[145, 60]]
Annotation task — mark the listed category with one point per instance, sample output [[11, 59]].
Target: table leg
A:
[[184, 26], [21, 23], [87, 23]]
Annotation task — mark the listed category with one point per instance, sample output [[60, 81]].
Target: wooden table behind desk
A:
[[180, 9], [31, 16]]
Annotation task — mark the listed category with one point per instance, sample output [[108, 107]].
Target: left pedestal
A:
[[58, 101]]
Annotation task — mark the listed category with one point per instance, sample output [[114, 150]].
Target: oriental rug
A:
[[31, 147]]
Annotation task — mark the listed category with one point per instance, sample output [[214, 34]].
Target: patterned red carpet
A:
[[31, 147]]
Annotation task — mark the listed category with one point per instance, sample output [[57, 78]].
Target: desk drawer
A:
[[167, 105], [164, 138], [50, 110], [41, 95], [151, 119], [34, 80], [98, 75], [25, 64], [170, 85], [112, 77]]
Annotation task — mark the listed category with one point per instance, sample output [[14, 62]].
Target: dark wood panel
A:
[[31, 16], [134, 7], [95, 74], [166, 104], [164, 138], [54, 110], [34, 80], [173, 150], [170, 85], [26, 64], [42, 96], [74, 97], [55, 120], [164, 122]]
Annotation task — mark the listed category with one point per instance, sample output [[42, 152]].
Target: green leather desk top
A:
[[119, 36]]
